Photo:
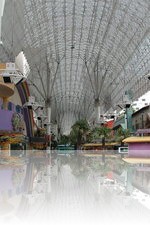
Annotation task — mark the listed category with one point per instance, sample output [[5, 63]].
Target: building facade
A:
[[141, 118]]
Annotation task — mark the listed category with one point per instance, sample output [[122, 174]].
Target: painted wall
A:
[[15, 98], [5, 120], [139, 118], [139, 149], [6, 117]]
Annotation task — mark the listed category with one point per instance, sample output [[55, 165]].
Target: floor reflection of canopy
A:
[[74, 199]]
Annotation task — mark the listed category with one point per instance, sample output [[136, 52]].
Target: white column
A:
[[49, 124], [97, 110], [49, 120]]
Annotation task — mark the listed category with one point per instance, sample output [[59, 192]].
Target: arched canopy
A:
[[80, 50]]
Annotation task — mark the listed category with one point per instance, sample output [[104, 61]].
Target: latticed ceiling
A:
[[80, 51]]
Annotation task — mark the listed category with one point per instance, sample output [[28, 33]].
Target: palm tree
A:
[[64, 139], [121, 134], [100, 133], [79, 132]]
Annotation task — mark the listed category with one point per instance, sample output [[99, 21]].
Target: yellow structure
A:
[[137, 139], [98, 146], [6, 89]]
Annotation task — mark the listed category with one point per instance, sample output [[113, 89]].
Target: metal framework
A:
[[80, 51]]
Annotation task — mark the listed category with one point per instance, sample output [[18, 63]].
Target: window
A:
[[9, 106], [18, 109]]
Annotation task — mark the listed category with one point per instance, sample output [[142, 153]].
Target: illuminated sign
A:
[[123, 149]]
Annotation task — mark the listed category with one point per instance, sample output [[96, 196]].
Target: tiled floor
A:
[[69, 190]]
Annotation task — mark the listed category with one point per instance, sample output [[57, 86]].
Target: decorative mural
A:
[[18, 123], [24, 93]]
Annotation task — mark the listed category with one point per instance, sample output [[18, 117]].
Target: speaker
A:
[[128, 105], [112, 117], [29, 107], [7, 79]]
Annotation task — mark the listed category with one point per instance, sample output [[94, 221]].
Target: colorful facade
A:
[[138, 146], [16, 122]]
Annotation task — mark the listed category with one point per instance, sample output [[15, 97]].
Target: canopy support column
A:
[[97, 110], [48, 109]]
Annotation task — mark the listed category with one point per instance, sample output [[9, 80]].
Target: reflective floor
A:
[[80, 188]]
